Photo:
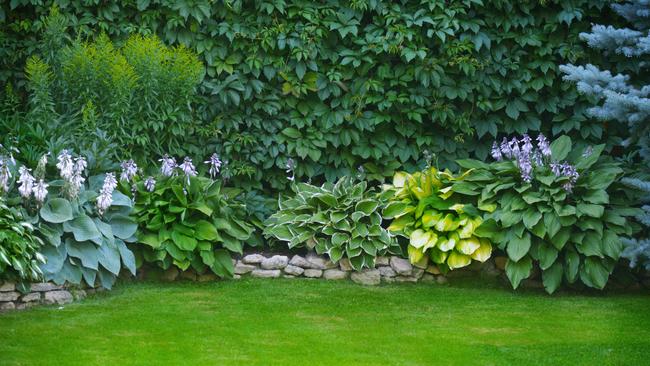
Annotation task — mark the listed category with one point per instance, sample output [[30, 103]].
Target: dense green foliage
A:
[[134, 100], [340, 220], [188, 221], [564, 214], [438, 218], [341, 84], [300, 322], [19, 247]]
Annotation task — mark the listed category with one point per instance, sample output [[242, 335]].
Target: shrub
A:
[[553, 207], [438, 219], [83, 226], [340, 220], [19, 247], [185, 220]]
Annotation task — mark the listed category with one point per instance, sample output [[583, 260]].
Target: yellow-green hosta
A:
[[439, 221]]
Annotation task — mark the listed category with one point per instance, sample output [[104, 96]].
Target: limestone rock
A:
[[335, 274], [417, 273], [170, 274], [387, 272], [253, 259], [288, 276], [7, 286], [345, 265], [401, 266], [367, 277], [293, 270], [382, 261], [320, 262], [313, 273], [301, 262], [9, 296], [45, 286], [428, 277], [7, 306], [433, 269], [406, 279], [275, 262], [266, 273], [58, 297], [242, 268], [32, 296]]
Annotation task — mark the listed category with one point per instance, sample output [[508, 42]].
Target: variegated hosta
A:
[[339, 219], [438, 218]]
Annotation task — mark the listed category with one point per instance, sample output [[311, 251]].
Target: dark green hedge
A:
[[340, 84]]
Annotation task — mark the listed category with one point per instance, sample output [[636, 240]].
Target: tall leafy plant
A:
[[186, 220], [20, 258], [555, 207], [83, 226]]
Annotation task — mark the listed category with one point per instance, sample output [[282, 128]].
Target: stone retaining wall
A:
[[273, 265], [40, 293]]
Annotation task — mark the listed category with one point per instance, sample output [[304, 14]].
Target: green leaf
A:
[[83, 228], [206, 231], [56, 211], [571, 265], [547, 255], [223, 266], [518, 247], [396, 209], [561, 147], [518, 271], [552, 277], [596, 271], [552, 223], [531, 217], [591, 210], [86, 251], [292, 133], [183, 241], [123, 227], [367, 206]]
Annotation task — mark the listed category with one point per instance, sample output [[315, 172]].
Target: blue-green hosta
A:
[[19, 247], [555, 207], [340, 220], [439, 221], [186, 220], [84, 227]]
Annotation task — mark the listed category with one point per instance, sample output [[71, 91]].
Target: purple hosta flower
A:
[[556, 168], [129, 170], [40, 192], [215, 165], [26, 181], [525, 167], [505, 149], [291, 168], [537, 158], [168, 166], [5, 174], [543, 145], [80, 165], [496, 152], [188, 169], [105, 198], [570, 172], [65, 165], [588, 151], [150, 184], [514, 147], [526, 147]]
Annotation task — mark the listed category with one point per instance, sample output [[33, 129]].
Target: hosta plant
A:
[[185, 220], [553, 209], [440, 223], [19, 247], [84, 225], [340, 220]]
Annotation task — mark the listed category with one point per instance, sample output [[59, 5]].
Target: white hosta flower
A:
[[5, 175], [26, 182], [168, 166], [188, 169], [65, 165], [40, 191], [80, 165], [129, 170], [150, 184], [105, 198]]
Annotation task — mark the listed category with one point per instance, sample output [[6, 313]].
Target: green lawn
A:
[[302, 322]]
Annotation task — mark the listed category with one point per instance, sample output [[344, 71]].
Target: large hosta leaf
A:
[[86, 251], [517, 271], [83, 228], [56, 210], [123, 227]]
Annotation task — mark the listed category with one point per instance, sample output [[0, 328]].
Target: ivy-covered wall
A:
[[340, 84]]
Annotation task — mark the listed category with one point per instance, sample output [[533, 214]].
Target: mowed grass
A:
[[303, 322]]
